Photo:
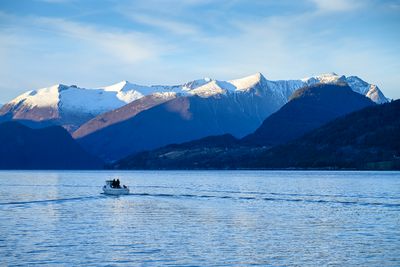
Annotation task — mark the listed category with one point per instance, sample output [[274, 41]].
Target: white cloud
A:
[[336, 5], [39, 51], [296, 46], [171, 26], [175, 48], [127, 47]]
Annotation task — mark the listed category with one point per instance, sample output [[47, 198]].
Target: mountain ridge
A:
[[71, 106], [308, 109]]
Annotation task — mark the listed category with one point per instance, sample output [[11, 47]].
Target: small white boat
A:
[[109, 189]]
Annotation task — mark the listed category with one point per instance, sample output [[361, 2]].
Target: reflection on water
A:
[[201, 218]]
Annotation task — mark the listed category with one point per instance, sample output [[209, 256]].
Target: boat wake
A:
[[49, 201], [276, 199], [230, 195]]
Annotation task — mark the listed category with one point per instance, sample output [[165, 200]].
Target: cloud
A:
[[40, 51], [326, 6], [125, 46], [156, 42], [171, 26]]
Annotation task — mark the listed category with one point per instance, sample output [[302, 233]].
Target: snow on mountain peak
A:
[[356, 84], [369, 90], [95, 101], [43, 97], [324, 78], [247, 82], [208, 89], [121, 86], [195, 84]]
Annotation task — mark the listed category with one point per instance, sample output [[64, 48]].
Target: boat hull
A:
[[115, 191]]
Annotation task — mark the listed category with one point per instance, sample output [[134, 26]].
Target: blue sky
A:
[[97, 43]]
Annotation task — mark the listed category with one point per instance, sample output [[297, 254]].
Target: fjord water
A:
[[201, 218]]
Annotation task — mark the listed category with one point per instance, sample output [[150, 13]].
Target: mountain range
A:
[[72, 106], [364, 139], [308, 109], [122, 120]]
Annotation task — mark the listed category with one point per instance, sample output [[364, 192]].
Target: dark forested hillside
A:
[[208, 152], [307, 109], [47, 148], [366, 139]]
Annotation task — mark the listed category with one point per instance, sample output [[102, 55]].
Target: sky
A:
[[95, 43]]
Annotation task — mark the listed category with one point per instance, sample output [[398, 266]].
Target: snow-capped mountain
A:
[[254, 84], [356, 84], [71, 106]]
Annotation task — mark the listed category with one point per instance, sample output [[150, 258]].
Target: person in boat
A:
[[114, 183], [118, 184]]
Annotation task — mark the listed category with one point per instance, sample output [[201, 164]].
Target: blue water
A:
[[201, 218]]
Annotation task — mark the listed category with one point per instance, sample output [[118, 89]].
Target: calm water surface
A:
[[201, 218]]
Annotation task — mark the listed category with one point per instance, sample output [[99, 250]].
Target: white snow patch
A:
[[324, 78], [356, 84], [248, 82], [195, 84], [44, 97], [93, 101], [209, 89]]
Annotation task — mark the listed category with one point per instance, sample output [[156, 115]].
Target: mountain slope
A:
[[179, 120], [46, 148], [308, 109], [118, 115], [250, 96], [366, 139], [204, 153]]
